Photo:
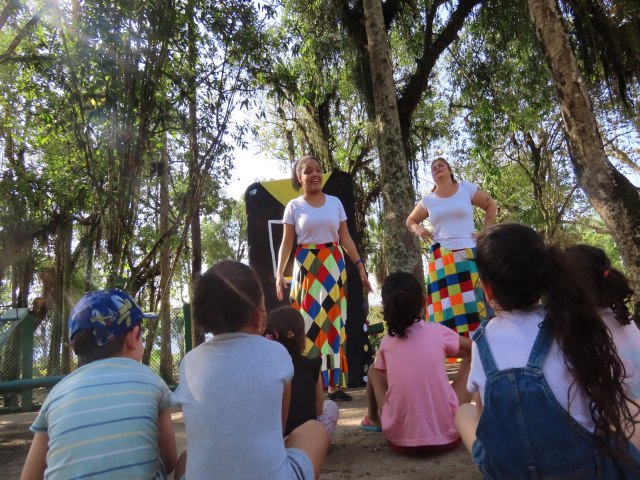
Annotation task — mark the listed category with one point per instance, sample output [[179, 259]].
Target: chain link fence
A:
[[12, 350], [44, 366]]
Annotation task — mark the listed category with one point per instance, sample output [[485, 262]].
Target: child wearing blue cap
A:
[[110, 418]]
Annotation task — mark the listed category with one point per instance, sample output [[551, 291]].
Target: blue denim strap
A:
[[542, 345], [486, 357]]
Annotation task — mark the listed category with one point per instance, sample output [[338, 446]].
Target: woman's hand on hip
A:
[[424, 234]]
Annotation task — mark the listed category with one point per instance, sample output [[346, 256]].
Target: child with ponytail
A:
[[408, 393], [612, 294], [552, 400], [286, 326]]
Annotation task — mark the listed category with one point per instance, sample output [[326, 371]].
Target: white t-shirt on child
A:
[[315, 224], [510, 336], [452, 217]]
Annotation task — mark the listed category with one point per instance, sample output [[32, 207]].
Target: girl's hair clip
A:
[[606, 273], [272, 336]]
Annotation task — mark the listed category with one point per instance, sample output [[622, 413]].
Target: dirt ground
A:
[[354, 453]]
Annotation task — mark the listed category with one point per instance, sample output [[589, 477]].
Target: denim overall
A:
[[524, 433]]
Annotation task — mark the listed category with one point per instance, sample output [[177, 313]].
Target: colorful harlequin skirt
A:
[[454, 296], [318, 292]]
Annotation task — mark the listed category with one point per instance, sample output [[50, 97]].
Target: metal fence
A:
[[15, 345]]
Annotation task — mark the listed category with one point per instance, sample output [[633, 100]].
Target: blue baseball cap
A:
[[108, 313]]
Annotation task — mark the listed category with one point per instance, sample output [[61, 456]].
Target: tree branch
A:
[[417, 84]]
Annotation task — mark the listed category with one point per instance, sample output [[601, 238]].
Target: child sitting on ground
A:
[[110, 418], [408, 393], [552, 398], [612, 294], [286, 326], [235, 389]]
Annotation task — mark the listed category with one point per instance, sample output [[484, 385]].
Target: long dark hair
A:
[[286, 325], [607, 285], [401, 303], [513, 260]]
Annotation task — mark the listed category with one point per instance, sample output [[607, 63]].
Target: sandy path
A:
[[355, 454]]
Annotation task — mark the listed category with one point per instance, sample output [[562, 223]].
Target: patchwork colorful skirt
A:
[[318, 292], [454, 296]]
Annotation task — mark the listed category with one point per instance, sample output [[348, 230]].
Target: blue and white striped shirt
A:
[[102, 422]]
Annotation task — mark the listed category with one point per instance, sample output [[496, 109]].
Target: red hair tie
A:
[[272, 336], [606, 273]]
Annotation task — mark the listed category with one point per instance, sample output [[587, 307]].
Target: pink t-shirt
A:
[[420, 405]]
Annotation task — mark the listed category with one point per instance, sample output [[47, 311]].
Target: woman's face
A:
[[311, 176], [440, 170]]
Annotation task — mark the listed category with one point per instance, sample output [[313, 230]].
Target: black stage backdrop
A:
[[264, 234]]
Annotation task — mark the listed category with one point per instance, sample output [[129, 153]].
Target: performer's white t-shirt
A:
[[315, 224], [510, 336], [452, 217]]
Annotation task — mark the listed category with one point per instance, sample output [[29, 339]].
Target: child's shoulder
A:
[[110, 374], [306, 362]]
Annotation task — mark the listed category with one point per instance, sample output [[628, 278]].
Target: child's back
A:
[[306, 372], [552, 398], [235, 389], [420, 404], [408, 393], [110, 418], [286, 326], [102, 419], [229, 389]]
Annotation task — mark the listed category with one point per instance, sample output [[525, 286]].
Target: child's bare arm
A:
[[319, 399], [464, 349], [167, 441], [36, 462]]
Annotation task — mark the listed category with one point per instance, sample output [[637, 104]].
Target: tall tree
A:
[[615, 199], [399, 245]]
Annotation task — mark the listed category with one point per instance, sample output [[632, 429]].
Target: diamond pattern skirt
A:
[[454, 296], [318, 292]]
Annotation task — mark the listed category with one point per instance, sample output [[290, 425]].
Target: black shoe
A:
[[340, 396]]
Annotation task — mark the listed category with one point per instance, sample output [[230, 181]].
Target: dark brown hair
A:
[[298, 167], [401, 302], [85, 347], [226, 296], [87, 350], [513, 260], [281, 322], [607, 285]]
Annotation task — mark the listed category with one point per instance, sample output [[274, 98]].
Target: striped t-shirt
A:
[[102, 422]]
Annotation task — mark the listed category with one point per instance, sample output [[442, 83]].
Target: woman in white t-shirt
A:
[[319, 223], [454, 297]]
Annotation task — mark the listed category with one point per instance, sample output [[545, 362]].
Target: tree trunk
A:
[[57, 328], [615, 199], [166, 361], [194, 167], [67, 267], [400, 247]]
